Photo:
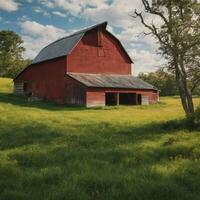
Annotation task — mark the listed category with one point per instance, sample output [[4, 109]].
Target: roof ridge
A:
[[76, 33]]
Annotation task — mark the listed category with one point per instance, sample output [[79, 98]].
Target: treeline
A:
[[165, 82], [11, 50]]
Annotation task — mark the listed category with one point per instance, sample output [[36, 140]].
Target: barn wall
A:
[[96, 96], [87, 57], [45, 80], [75, 92]]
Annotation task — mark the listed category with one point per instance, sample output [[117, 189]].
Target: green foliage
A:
[[197, 117], [11, 49], [177, 34], [15, 69], [51, 151], [164, 81]]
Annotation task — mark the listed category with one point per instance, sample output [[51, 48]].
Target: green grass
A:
[[6, 85], [49, 151]]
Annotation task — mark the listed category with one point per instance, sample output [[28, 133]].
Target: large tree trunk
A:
[[185, 94]]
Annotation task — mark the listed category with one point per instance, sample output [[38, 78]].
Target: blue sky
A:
[[40, 22]]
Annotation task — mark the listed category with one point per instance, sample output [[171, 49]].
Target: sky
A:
[[40, 22]]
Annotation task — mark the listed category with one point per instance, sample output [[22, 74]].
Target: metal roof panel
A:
[[59, 48], [111, 81], [62, 46]]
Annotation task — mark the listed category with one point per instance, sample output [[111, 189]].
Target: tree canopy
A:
[[11, 50], [178, 37], [162, 80]]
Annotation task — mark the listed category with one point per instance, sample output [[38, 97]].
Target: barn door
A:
[[145, 100], [75, 95]]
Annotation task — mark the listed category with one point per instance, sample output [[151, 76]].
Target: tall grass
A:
[[48, 151]]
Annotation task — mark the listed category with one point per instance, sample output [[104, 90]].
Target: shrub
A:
[[193, 122], [197, 117]]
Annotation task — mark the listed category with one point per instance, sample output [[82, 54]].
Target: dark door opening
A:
[[127, 99], [139, 99], [25, 87], [111, 99]]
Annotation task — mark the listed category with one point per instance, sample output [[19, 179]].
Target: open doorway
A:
[[127, 99], [111, 99], [25, 87], [139, 99], [130, 99]]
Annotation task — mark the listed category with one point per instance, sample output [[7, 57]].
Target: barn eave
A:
[[111, 81]]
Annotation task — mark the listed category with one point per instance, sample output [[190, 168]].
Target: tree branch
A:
[[150, 10], [196, 82], [151, 27]]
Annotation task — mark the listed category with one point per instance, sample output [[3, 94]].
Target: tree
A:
[[10, 51], [15, 69], [162, 80], [178, 37]]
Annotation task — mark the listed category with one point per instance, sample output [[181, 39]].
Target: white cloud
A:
[[8, 5], [47, 31], [145, 61], [36, 36], [117, 13], [23, 18], [42, 11], [59, 14], [47, 3], [75, 7], [110, 29], [133, 35]]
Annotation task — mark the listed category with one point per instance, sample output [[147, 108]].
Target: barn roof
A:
[[111, 81], [65, 45]]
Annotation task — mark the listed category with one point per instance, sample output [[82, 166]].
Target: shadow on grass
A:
[[22, 135], [23, 102], [92, 135], [48, 105], [105, 164], [103, 161]]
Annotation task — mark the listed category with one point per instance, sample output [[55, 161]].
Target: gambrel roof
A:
[[111, 81], [65, 45]]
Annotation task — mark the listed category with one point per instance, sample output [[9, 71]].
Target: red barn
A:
[[87, 68]]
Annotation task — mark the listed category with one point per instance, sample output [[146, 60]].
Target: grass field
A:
[[54, 152]]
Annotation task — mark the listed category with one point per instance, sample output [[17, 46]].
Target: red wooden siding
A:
[[75, 92], [98, 52], [45, 80], [88, 57], [96, 96]]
